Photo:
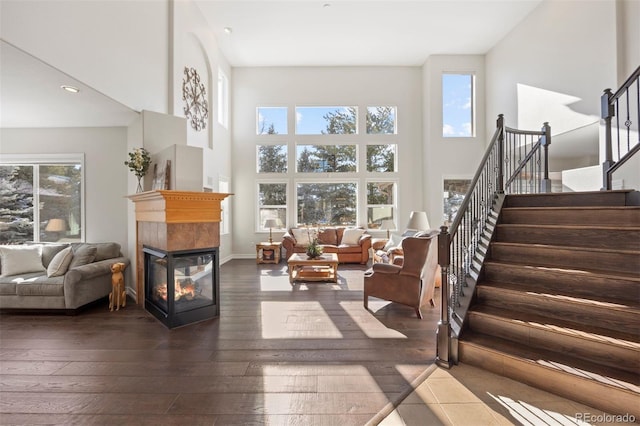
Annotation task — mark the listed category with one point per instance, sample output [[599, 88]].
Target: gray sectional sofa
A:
[[56, 276]]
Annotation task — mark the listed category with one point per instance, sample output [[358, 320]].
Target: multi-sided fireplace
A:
[[177, 254], [181, 287]]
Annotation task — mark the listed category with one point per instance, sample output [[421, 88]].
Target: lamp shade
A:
[[272, 223], [387, 224], [418, 221], [56, 225]]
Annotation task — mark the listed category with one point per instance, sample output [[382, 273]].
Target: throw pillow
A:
[[394, 241], [20, 259], [351, 236], [60, 263], [84, 254], [304, 236]]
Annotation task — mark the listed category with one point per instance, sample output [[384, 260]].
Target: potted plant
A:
[[314, 249]]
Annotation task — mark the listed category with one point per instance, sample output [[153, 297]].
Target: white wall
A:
[[450, 158], [105, 173], [119, 48], [309, 86], [628, 38], [554, 66]]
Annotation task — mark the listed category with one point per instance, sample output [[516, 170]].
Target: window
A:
[[272, 121], [336, 120], [326, 158], [380, 203], [41, 199], [458, 105], [381, 120], [223, 187], [272, 200], [327, 203], [381, 158], [272, 159], [223, 99], [454, 193]]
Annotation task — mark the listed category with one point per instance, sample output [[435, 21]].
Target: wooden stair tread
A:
[[574, 227], [629, 305], [586, 331], [551, 268], [572, 248], [560, 362], [555, 208]]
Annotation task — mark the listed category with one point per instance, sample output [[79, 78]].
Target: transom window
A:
[[381, 120], [381, 158], [271, 121], [272, 159], [331, 120]]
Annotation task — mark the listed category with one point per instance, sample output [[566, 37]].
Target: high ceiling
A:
[[276, 33], [358, 33]]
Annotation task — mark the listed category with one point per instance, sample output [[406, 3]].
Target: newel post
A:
[[500, 177], [607, 112], [443, 334], [546, 141]]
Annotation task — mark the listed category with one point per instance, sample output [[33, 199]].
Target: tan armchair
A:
[[410, 284]]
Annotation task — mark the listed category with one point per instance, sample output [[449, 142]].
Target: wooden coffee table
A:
[[324, 268]]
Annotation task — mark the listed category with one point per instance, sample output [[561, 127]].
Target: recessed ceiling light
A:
[[228, 30], [326, 5], [71, 89]]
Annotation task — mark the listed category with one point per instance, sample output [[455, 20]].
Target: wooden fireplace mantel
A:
[[178, 206], [174, 220]]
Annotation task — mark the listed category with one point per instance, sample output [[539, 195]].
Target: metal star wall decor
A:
[[194, 95]]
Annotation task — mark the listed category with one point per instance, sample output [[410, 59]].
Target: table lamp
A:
[[271, 223], [388, 224]]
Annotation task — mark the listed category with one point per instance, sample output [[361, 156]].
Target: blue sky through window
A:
[[310, 120], [272, 115], [457, 106]]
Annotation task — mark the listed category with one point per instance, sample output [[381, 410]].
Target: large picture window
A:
[[326, 158], [223, 99], [458, 106], [327, 203], [41, 202], [272, 200]]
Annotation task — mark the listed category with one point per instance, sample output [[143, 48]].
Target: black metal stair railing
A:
[[515, 162], [622, 139]]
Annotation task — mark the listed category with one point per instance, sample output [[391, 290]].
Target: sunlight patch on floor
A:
[[529, 414], [369, 324], [282, 320]]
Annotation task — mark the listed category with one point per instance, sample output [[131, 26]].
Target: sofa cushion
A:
[[351, 236], [83, 254], [49, 251], [60, 263], [39, 286], [20, 259], [304, 236], [328, 236], [107, 251]]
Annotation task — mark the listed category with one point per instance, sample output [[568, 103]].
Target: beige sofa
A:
[[350, 244], [56, 276]]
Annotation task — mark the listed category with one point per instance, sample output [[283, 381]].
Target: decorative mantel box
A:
[[177, 243]]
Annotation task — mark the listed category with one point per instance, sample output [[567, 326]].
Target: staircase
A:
[[557, 305]]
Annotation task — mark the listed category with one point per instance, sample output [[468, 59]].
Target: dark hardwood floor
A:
[[278, 354]]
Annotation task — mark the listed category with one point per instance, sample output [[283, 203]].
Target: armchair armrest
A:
[[386, 268], [288, 242]]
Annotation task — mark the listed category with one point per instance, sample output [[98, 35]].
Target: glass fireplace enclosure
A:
[[181, 287]]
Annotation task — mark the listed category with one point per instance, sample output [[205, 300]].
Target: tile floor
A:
[[466, 395]]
